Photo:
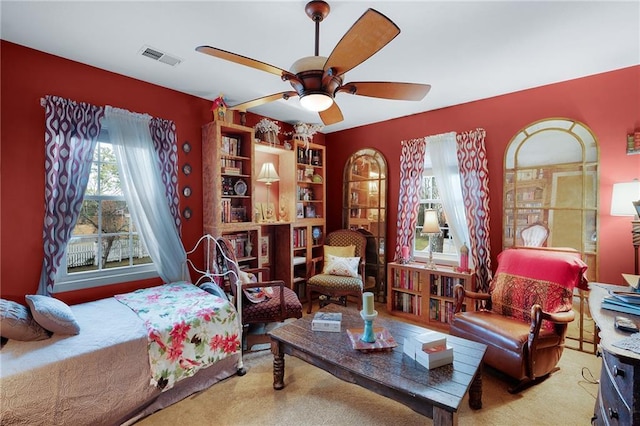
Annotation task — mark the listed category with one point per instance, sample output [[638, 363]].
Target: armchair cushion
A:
[[343, 266], [337, 282], [341, 251], [527, 277]]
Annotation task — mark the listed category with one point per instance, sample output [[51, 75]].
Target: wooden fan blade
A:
[[331, 115], [263, 100], [370, 33], [387, 90], [242, 60]]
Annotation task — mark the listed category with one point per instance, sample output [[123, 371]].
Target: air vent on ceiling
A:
[[156, 55]]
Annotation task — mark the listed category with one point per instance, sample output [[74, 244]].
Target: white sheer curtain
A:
[[144, 191], [444, 159]]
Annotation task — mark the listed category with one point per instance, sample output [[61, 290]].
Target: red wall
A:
[[607, 103]]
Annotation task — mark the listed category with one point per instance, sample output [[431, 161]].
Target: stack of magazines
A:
[[622, 301]]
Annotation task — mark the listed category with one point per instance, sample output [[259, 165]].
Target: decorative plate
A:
[[186, 191], [240, 187], [316, 233], [317, 178], [186, 169], [186, 147]]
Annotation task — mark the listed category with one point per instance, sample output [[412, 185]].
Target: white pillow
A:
[[52, 314], [343, 266]]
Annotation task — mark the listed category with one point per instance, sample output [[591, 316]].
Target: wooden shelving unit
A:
[[228, 187], [424, 295]]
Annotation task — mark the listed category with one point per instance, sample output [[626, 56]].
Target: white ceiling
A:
[[467, 50]]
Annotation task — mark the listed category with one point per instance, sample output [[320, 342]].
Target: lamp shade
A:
[[624, 194], [430, 224], [268, 174], [316, 101]]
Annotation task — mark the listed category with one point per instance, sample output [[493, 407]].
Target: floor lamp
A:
[[625, 201], [268, 175], [430, 227]]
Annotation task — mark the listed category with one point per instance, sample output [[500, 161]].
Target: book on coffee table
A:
[[326, 321], [384, 340]]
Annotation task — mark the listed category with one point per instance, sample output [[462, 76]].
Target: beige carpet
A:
[[314, 397]]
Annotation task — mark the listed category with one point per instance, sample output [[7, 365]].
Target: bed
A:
[[103, 375]]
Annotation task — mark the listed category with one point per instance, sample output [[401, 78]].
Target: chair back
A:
[[535, 235], [526, 277], [346, 237]]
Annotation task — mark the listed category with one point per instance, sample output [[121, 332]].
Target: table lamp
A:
[[268, 175], [625, 201], [430, 227]]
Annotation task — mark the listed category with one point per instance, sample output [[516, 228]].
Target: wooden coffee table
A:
[[435, 393]]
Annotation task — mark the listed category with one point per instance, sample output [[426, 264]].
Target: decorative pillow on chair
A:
[[341, 251], [255, 294], [53, 314], [343, 266], [17, 323]]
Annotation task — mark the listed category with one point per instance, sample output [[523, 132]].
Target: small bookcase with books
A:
[[425, 295]]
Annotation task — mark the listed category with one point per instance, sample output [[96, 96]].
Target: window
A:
[[442, 245], [105, 247]]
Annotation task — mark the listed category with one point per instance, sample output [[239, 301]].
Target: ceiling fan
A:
[[317, 79]]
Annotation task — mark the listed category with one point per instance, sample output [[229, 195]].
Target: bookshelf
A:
[[425, 295], [228, 188]]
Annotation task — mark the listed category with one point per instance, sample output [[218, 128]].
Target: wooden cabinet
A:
[[424, 295], [618, 401]]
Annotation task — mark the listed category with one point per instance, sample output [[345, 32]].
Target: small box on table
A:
[[326, 321], [429, 349]]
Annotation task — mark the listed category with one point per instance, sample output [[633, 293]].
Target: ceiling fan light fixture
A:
[[316, 101]]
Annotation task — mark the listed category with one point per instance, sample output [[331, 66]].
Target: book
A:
[[614, 304], [327, 321]]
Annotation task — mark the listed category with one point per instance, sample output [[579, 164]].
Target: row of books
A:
[[231, 145], [443, 285], [231, 167], [230, 213], [238, 243], [407, 279], [299, 236], [408, 303], [440, 310]]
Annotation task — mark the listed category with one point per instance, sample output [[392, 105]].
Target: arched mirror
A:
[[365, 210], [551, 194]]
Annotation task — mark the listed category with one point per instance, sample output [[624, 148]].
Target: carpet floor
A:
[[314, 397]]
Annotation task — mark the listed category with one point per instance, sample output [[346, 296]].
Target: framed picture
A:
[[310, 211], [299, 210], [264, 249]]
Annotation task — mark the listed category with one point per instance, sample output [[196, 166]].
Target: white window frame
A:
[[450, 259], [92, 279]]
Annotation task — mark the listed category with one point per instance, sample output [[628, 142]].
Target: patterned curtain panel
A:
[[411, 168], [474, 174], [71, 132], [163, 134]]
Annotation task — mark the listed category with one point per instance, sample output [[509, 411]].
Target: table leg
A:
[[278, 365], [475, 392]]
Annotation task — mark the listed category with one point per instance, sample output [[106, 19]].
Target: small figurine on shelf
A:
[[219, 108]]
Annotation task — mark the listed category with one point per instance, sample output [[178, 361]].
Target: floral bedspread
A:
[[188, 329]]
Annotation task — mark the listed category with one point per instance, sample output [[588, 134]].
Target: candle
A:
[[405, 252], [367, 303], [464, 257]]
